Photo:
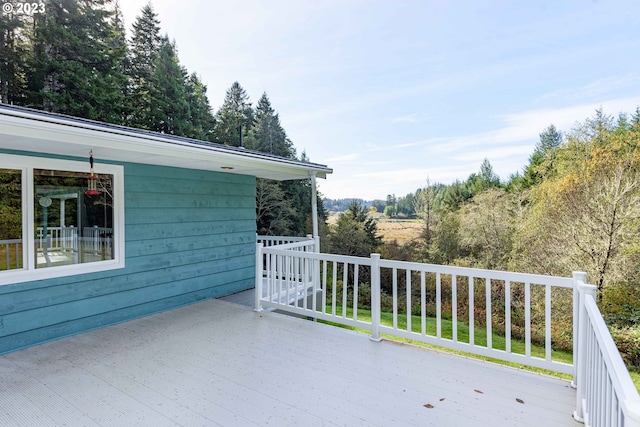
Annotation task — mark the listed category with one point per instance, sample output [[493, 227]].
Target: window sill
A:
[[10, 277]]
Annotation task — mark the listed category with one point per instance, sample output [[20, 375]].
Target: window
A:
[[10, 219], [50, 226]]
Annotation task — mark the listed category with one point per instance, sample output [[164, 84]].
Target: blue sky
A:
[[390, 93]]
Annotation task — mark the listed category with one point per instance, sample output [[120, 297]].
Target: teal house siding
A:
[[189, 236]]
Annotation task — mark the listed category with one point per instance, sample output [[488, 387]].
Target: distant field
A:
[[402, 231]]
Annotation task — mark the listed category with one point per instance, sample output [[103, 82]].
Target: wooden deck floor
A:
[[219, 363]]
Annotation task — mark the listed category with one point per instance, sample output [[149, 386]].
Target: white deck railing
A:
[[606, 395], [294, 278], [12, 253]]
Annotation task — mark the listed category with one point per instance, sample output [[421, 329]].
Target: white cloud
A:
[[411, 118], [594, 89]]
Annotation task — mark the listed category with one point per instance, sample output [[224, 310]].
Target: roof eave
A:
[[34, 131]]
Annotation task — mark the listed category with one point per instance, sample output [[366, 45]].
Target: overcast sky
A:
[[390, 93]]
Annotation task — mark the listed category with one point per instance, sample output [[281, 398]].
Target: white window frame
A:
[[28, 272]]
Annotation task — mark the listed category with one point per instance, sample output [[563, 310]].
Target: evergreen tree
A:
[[201, 118], [13, 57], [73, 66], [266, 134], [143, 55], [170, 102], [541, 161], [355, 233], [455, 195], [635, 120], [234, 118], [115, 81]]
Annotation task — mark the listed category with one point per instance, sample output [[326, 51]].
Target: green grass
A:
[[635, 376], [480, 338]]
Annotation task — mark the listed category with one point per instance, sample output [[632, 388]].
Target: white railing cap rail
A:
[[538, 279], [285, 251], [292, 245], [281, 238]]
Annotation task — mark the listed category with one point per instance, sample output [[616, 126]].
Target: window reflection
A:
[[10, 219], [72, 227]]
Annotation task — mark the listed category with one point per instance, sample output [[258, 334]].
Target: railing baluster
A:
[[423, 303], [507, 316], [547, 322], [408, 298], [334, 287], [324, 286], [375, 297], [345, 282], [489, 318], [471, 306], [280, 273], [287, 267], [395, 297], [438, 305], [527, 319], [454, 309], [355, 291]]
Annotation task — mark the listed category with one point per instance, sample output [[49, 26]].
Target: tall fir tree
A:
[[144, 49], [73, 65], [116, 80], [267, 134], [201, 117], [234, 118], [14, 48], [540, 162], [170, 109]]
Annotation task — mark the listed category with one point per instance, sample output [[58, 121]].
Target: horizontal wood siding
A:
[[189, 236]]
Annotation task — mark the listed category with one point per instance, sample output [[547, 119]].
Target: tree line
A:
[[75, 58], [574, 206]]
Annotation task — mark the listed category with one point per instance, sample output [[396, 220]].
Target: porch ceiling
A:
[[218, 363], [35, 131]]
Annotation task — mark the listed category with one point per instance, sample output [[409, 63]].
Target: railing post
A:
[[581, 369], [258, 288], [375, 297], [578, 276]]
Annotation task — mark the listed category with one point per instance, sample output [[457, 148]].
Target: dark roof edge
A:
[[62, 119]]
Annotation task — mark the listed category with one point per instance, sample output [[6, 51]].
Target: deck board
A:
[[219, 363]]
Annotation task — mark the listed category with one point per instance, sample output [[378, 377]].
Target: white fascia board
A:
[[65, 137]]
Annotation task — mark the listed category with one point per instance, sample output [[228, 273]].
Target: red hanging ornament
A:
[[92, 181]]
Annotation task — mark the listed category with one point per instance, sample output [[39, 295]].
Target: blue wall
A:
[[189, 236]]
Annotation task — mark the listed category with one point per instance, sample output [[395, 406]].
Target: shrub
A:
[[621, 305], [628, 342]]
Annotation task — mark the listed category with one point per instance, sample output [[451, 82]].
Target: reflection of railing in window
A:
[[60, 239], [98, 241], [64, 244], [12, 249]]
